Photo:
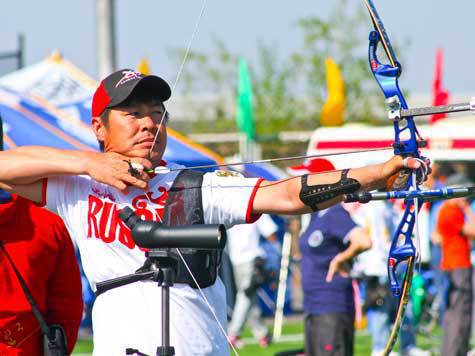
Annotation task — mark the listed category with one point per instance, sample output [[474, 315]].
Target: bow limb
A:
[[401, 309]]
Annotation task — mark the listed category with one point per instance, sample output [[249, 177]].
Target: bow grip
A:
[[396, 256]]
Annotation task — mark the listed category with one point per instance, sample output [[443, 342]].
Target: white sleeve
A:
[[266, 226], [228, 198], [61, 193]]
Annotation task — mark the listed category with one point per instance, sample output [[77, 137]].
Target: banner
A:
[[440, 96], [333, 109], [244, 108]]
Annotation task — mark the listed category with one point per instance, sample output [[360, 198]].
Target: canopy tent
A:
[[27, 122], [55, 97], [447, 140]]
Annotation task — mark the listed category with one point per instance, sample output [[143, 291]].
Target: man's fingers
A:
[[138, 172], [118, 184], [411, 163], [145, 163], [133, 181], [143, 176], [331, 272]]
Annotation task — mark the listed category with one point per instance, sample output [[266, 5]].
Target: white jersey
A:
[[378, 219], [130, 316], [243, 240]]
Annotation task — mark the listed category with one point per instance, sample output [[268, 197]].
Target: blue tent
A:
[[27, 122], [33, 121]]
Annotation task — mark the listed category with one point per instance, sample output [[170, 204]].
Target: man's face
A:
[[130, 130]]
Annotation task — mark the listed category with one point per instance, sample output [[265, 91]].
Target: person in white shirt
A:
[[89, 189], [247, 258]]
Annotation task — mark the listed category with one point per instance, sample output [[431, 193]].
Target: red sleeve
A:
[[450, 220], [64, 298], [251, 218]]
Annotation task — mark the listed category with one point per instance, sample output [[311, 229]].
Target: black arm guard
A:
[[316, 194]]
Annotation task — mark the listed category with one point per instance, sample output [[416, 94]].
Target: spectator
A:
[[436, 180], [456, 227], [247, 259], [39, 245], [371, 266], [328, 244]]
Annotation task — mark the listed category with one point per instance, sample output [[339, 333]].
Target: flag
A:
[[244, 108], [333, 109], [143, 67], [440, 96]]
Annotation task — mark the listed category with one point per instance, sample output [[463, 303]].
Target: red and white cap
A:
[[118, 86], [314, 165]]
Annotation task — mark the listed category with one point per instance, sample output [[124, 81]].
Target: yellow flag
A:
[[143, 67], [333, 109]]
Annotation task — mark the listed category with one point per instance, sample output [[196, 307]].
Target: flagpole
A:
[[282, 287]]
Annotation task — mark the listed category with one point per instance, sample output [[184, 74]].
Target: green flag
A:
[[244, 109]]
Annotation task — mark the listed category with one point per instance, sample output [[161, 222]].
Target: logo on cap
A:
[[128, 75]]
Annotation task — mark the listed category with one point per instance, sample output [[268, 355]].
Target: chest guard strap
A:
[[312, 195], [184, 206]]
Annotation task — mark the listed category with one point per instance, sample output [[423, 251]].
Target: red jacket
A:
[[41, 249], [455, 245]]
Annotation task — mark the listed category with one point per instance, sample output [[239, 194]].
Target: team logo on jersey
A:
[[227, 174], [315, 239], [103, 218], [103, 192]]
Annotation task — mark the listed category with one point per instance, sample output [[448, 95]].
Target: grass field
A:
[[293, 339]]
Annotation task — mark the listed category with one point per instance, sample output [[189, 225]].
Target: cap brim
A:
[[315, 165], [153, 83]]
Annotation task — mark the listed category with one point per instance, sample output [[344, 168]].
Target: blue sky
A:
[[146, 28]]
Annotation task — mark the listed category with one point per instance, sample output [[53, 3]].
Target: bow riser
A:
[[402, 247]]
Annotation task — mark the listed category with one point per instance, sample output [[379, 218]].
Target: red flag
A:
[[440, 96]]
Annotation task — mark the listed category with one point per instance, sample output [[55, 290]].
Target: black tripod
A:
[[161, 268], [161, 264]]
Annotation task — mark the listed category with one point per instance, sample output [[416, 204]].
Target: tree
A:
[[289, 92], [343, 36]]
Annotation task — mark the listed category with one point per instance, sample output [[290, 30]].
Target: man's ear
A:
[[98, 128]]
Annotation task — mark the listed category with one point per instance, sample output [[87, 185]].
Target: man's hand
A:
[[398, 170], [114, 169], [337, 265]]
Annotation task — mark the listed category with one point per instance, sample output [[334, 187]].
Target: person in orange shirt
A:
[[456, 226]]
